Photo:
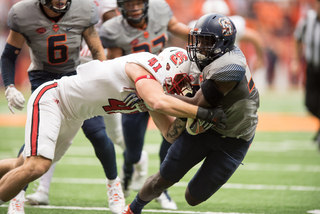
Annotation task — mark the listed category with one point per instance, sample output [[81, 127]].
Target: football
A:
[[194, 126]]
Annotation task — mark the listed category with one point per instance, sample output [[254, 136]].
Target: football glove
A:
[[134, 101], [195, 126], [214, 116], [15, 98]]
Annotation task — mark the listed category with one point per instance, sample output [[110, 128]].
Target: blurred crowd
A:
[[274, 20]]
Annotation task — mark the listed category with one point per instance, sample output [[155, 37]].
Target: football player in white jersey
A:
[[56, 109], [53, 30], [226, 82], [143, 26], [106, 10]]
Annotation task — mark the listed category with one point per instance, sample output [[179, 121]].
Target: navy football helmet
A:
[[48, 4], [213, 35], [125, 6]]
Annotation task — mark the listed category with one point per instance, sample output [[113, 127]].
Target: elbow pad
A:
[[8, 61]]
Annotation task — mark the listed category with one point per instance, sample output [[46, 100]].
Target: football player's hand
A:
[[15, 98], [214, 116], [134, 101]]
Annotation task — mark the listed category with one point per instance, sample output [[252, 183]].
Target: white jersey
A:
[[99, 88]]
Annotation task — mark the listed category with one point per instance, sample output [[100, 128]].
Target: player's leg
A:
[[114, 129], [15, 180], [164, 199], [41, 196], [226, 154], [134, 129], [95, 131], [181, 157], [312, 97]]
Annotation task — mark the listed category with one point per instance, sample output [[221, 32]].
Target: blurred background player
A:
[[226, 84], [106, 10], [53, 30], [142, 27], [307, 50]]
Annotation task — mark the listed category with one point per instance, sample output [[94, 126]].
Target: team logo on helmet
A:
[[226, 25]]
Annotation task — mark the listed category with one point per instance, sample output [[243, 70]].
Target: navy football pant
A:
[[221, 157]]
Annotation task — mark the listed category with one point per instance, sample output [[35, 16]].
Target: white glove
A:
[[134, 101], [14, 98]]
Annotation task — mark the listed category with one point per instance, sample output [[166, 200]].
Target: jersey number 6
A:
[[57, 53]]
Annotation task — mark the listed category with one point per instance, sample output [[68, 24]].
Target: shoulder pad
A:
[[229, 67], [111, 30], [160, 11], [85, 9]]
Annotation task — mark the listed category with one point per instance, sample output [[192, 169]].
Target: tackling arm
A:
[[178, 28], [92, 39]]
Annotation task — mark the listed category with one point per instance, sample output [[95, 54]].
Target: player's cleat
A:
[[116, 198], [140, 172], [127, 210], [40, 197], [16, 205], [166, 202], [126, 183]]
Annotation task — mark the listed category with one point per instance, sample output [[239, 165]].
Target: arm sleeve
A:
[[8, 61], [11, 22]]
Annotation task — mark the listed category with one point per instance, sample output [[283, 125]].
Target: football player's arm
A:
[[152, 93], [178, 28], [253, 37], [170, 127], [92, 39], [108, 15], [14, 44]]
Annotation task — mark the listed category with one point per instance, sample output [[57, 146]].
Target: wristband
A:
[[11, 85], [202, 114]]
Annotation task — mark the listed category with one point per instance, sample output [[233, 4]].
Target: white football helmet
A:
[[178, 66]]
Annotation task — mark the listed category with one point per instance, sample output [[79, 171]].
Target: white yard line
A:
[[93, 161], [143, 211], [184, 184]]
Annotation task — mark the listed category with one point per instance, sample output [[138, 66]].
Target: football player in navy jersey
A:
[[53, 30], [227, 83]]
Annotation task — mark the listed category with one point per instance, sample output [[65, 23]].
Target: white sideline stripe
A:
[[144, 211], [93, 161], [184, 184], [314, 211]]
